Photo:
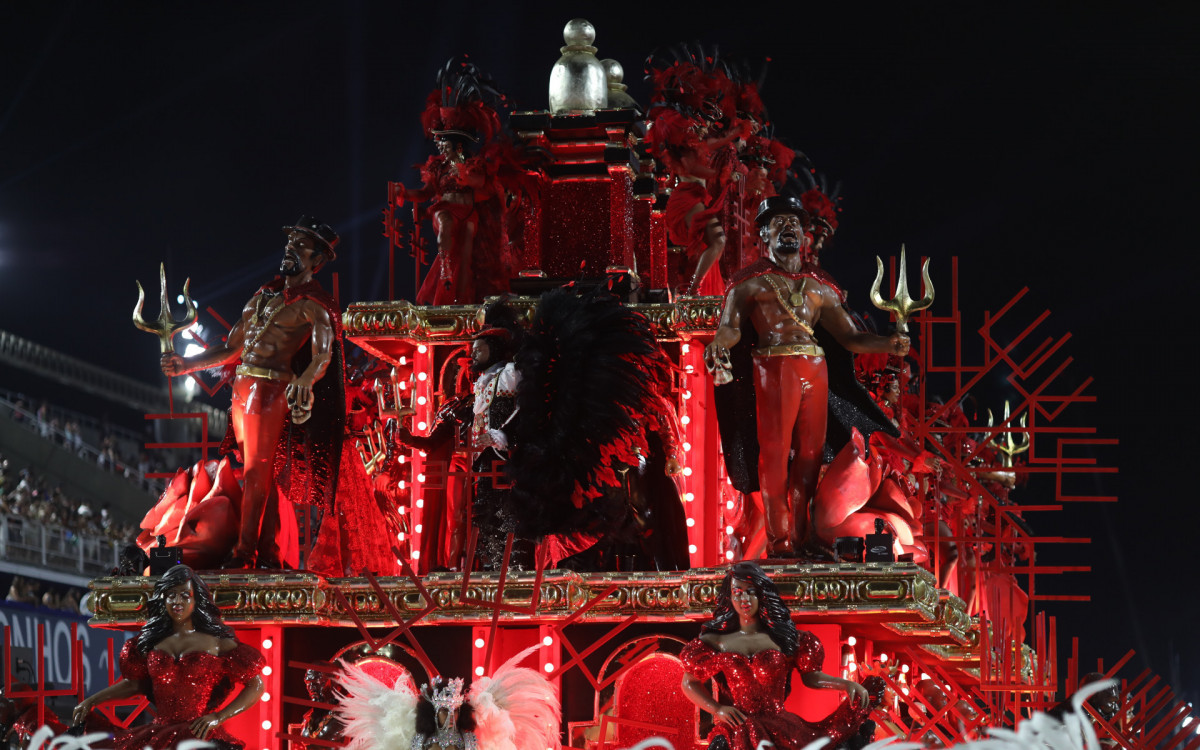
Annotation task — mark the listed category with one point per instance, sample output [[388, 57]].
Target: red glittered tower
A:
[[596, 206]]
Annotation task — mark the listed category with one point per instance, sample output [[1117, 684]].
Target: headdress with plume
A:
[[463, 104]]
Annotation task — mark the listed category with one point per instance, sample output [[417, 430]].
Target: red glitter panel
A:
[[658, 249], [576, 227], [649, 694], [621, 216], [652, 275]]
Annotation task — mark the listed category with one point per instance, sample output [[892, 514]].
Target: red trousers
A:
[[259, 410], [793, 395]]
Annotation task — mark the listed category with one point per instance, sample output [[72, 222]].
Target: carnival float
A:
[[623, 371]]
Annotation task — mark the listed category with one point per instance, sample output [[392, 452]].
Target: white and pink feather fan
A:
[[516, 708], [376, 714]]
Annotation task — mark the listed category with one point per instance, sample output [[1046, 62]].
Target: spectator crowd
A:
[[110, 448], [27, 591], [27, 496]]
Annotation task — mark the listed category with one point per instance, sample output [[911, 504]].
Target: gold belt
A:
[[790, 350], [252, 371]]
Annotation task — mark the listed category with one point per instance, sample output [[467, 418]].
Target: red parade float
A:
[[520, 469]]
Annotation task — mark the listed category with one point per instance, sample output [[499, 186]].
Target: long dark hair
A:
[[774, 615], [206, 618]]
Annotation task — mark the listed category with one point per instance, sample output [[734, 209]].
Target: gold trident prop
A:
[[1009, 447], [902, 305], [165, 327], [375, 450], [398, 409]]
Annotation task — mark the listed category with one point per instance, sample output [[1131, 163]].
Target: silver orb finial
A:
[[578, 82], [618, 98], [614, 71], [579, 32]]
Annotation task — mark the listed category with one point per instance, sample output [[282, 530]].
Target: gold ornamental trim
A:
[[901, 597], [366, 322]]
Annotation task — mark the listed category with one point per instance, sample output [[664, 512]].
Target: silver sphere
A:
[[579, 32], [578, 82], [614, 71]]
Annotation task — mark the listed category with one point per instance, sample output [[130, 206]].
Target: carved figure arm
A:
[[252, 690], [126, 688], [730, 330], [300, 390], [214, 356], [697, 693], [821, 681]]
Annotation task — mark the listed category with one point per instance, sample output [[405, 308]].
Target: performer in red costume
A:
[[473, 259], [781, 299], [179, 660], [695, 134], [286, 340], [753, 643]]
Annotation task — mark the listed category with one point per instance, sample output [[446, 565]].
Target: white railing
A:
[[74, 442], [24, 541]]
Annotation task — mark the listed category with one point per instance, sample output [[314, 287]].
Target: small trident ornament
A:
[[902, 305], [166, 326], [374, 452], [398, 409], [1009, 447]]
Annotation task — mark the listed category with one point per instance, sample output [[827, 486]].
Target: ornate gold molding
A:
[[402, 320], [900, 596]]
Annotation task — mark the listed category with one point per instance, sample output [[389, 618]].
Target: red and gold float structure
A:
[[609, 641]]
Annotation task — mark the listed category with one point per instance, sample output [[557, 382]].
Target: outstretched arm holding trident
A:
[[165, 327]]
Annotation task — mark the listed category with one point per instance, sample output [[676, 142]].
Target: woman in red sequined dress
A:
[[751, 647], [185, 660]]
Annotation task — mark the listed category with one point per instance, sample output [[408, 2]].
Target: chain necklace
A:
[[797, 299], [266, 324]]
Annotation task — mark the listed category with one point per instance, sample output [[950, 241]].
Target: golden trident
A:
[[1009, 447], [902, 305], [374, 453], [399, 409], [166, 326]]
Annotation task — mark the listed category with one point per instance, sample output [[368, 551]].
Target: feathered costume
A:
[[591, 374], [516, 708], [468, 192], [692, 126], [710, 130]]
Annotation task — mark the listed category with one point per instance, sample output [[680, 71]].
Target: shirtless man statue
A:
[[276, 324], [783, 297]]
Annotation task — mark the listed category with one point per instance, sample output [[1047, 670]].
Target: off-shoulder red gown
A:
[[183, 692], [757, 686]]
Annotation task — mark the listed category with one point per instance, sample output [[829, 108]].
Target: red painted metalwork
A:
[[40, 692]]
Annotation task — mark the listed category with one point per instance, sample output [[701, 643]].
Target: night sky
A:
[[1047, 149]]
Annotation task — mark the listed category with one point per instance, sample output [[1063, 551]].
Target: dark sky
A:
[[1045, 148]]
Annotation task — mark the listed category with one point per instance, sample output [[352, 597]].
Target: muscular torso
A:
[[273, 332], [772, 321]]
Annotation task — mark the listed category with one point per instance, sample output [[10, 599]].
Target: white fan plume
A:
[[375, 714], [516, 708]]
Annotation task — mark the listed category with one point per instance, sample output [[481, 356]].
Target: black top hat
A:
[[779, 204], [322, 233]]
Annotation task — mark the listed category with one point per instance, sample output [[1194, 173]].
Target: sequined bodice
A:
[[757, 683], [183, 685]]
